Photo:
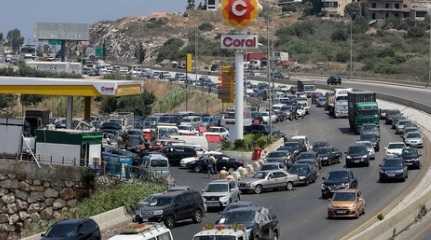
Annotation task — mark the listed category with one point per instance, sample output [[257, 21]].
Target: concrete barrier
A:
[[105, 221]]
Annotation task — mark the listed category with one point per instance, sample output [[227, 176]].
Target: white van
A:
[[145, 231]]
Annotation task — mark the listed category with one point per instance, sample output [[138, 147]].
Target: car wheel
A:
[[197, 217], [289, 186], [275, 237], [197, 169], [170, 222], [258, 189]]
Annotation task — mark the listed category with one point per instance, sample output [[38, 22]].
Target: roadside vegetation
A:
[[248, 144], [126, 194]]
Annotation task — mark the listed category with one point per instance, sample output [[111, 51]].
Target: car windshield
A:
[[306, 156], [157, 201], [291, 145], [344, 196], [396, 146], [238, 217], [337, 175], [266, 167], [217, 187], [276, 154], [300, 169], [62, 231], [393, 163], [159, 163], [409, 152], [368, 137], [324, 150], [260, 175], [358, 150], [413, 135], [212, 237]]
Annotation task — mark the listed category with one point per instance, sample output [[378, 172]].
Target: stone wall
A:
[[31, 196]]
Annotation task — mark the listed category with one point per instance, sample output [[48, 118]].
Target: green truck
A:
[[363, 108]]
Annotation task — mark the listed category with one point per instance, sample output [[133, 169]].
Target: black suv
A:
[[357, 154], [176, 153], [328, 156], [73, 229], [258, 221], [411, 157], [334, 80], [222, 161], [393, 168], [336, 180], [170, 207]]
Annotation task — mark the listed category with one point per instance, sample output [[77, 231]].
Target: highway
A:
[[302, 214]]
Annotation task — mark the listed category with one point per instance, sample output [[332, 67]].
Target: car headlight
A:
[[224, 199], [324, 158], [381, 171], [158, 212], [301, 177], [364, 157], [322, 186], [345, 185], [348, 157], [399, 171]]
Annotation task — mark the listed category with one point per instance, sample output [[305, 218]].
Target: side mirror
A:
[[43, 235]]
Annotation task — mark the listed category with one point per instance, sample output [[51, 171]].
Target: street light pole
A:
[[268, 68], [351, 47], [429, 60]]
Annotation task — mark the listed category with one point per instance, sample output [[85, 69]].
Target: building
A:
[[413, 9], [212, 5], [334, 8]]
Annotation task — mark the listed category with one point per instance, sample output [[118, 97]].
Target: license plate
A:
[[212, 204], [357, 161], [144, 219], [341, 211], [391, 175]]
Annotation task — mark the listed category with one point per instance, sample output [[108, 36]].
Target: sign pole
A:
[[239, 96]]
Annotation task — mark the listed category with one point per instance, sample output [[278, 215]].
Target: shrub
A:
[[127, 195], [239, 144], [340, 34], [380, 217], [262, 142], [170, 49], [206, 27]]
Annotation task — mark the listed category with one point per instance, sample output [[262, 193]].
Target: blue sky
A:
[[22, 14]]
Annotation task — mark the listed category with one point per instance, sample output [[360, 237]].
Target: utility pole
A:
[[351, 47], [268, 68], [429, 60], [196, 53]]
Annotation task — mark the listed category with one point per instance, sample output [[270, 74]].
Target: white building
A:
[[212, 5]]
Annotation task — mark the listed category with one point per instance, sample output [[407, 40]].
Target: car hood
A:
[[413, 139], [356, 155], [342, 204], [391, 168], [250, 180], [335, 182], [214, 194]]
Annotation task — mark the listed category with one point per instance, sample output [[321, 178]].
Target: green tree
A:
[[15, 39], [340, 34], [191, 4], [1, 37], [206, 27], [7, 101], [31, 100], [140, 53], [141, 105], [353, 10], [170, 49]]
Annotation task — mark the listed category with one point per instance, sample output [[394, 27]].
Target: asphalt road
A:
[[302, 214], [416, 94]]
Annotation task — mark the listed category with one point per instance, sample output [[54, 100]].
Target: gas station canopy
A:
[[69, 87]]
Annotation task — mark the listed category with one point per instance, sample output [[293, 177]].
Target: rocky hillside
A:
[[123, 37]]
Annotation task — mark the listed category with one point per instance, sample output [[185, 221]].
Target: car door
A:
[[360, 200], [234, 191], [190, 205], [353, 180], [180, 207]]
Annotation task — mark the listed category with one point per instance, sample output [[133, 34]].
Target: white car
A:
[[304, 139], [395, 148], [265, 117], [220, 193], [221, 131], [147, 231], [413, 139], [189, 160], [187, 130]]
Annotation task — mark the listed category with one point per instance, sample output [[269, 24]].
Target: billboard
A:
[[227, 86], [244, 41], [61, 31]]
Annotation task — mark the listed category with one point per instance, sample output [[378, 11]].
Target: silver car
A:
[[413, 139], [370, 147], [264, 180], [220, 193]]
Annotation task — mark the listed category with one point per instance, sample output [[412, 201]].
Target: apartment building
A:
[[334, 8], [382, 9]]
